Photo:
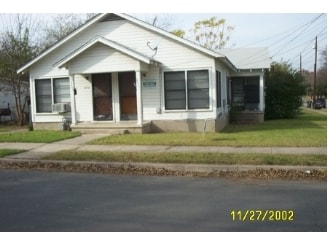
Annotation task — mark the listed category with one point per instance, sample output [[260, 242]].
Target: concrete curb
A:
[[205, 168]]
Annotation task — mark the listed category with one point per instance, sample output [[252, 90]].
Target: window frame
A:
[[52, 86], [185, 71], [218, 81]]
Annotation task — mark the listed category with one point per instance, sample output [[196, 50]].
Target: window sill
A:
[[186, 110], [51, 114]]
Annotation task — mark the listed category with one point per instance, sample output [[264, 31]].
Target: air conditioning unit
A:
[[60, 107]]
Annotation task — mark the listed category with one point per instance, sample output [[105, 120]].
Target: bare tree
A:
[[16, 49], [61, 25]]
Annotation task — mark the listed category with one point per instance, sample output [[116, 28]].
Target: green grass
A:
[[5, 152], [191, 158], [307, 130], [7, 128], [37, 136]]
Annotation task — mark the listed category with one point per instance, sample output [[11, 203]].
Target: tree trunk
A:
[[19, 110]]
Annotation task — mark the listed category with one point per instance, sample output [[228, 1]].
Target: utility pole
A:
[[301, 64], [315, 71]]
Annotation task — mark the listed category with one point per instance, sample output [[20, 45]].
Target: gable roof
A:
[[117, 16], [109, 43], [229, 56], [248, 58]]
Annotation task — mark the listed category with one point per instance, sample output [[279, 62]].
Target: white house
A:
[[118, 71]]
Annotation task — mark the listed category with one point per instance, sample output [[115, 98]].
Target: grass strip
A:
[[192, 158], [37, 136], [5, 152]]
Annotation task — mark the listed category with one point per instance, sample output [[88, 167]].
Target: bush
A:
[[284, 89]]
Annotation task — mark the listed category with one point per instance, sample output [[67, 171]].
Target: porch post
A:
[[73, 104], [261, 106], [139, 98]]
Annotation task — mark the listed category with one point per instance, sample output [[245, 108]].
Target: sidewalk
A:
[[36, 151]]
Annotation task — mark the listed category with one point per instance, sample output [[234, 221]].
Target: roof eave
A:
[[60, 42], [131, 19], [169, 35], [100, 39]]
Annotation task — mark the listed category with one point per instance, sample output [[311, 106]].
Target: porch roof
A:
[[99, 39], [248, 58]]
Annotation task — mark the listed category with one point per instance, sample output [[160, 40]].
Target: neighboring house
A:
[[118, 71], [8, 103]]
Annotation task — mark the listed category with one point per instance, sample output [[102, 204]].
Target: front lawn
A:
[[191, 158], [37, 136], [5, 152], [309, 129]]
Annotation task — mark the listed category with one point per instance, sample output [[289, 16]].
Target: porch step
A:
[[250, 117], [111, 128]]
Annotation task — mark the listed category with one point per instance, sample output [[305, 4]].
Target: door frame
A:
[[130, 98], [111, 113]]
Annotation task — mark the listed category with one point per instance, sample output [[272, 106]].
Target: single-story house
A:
[[116, 71]]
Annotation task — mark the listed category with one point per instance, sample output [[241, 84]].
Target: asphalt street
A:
[[36, 201]]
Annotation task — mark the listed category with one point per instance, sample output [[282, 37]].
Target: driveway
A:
[[36, 201]]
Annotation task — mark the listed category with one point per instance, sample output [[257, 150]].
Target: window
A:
[[228, 81], [198, 89], [245, 92], [61, 90], [43, 95], [175, 90], [252, 90], [186, 90], [218, 89], [49, 91]]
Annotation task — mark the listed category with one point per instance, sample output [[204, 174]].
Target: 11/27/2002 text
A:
[[262, 215]]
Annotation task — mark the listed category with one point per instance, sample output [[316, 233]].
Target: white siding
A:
[[99, 59], [151, 95], [224, 74], [153, 101], [171, 54], [83, 98]]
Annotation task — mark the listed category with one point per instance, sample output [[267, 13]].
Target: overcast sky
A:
[[287, 31], [286, 35]]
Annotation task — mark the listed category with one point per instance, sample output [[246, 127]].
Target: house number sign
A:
[[150, 83]]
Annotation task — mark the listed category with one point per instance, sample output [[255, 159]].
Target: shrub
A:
[[284, 88]]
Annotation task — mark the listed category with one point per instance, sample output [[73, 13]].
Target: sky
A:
[[289, 31], [287, 35]]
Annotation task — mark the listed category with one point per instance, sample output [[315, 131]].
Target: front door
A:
[[102, 96], [128, 99]]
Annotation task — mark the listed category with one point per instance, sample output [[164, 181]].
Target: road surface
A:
[[35, 201]]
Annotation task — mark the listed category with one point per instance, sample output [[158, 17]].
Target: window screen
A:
[[198, 89], [61, 90], [43, 95], [218, 89], [175, 90]]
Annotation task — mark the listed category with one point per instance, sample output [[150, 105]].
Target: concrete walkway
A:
[[36, 151]]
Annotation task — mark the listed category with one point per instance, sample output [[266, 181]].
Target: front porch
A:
[[247, 100], [122, 127], [247, 117]]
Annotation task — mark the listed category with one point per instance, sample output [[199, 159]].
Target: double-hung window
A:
[[218, 89], [175, 90], [186, 90], [50, 91]]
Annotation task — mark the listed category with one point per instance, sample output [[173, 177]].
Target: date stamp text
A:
[[262, 215]]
